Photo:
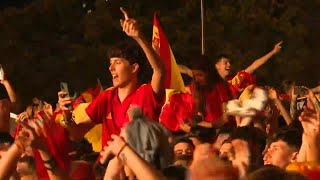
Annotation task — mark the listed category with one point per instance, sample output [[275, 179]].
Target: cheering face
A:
[[279, 154], [122, 72], [223, 67]]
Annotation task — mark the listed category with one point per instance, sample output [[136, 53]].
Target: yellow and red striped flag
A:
[[161, 46]]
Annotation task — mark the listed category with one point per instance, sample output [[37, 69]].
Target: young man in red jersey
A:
[[110, 108]]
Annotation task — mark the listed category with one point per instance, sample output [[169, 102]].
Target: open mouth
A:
[[227, 69], [114, 76], [267, 163]]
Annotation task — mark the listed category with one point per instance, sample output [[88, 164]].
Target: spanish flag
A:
[[160, 44]]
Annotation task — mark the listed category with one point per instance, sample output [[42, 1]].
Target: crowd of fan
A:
[[221, 126]]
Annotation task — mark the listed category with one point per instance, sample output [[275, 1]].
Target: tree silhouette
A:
[[49, 41]]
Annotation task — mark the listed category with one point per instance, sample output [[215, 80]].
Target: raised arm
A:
[[259, 62], [129, 158], [12, 95], [273, 96], [34, 134], [131, 28], [316, 89], [185, 70], [76, 131], [9, 162], [310, 120]]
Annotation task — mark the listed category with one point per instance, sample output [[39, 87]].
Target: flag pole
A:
[[202, 29]]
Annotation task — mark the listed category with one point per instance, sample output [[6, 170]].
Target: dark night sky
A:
[[18, 3]]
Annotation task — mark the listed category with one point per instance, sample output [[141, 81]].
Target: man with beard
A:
[[183, 152]]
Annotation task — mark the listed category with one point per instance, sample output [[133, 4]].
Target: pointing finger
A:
[[126, 16]]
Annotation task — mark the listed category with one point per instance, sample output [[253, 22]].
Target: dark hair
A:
[[202, 63], [220, 56], [183, 140], [256, 141], [29, 160], [249, 134], [6, 138], [290, 136], [286, 85], [272, 172], [133, 54], [225, 130], [175, 172], [203, 134]]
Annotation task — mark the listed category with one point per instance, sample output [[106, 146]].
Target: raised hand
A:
[[241, 157], [114, 148], [23, 116], [3, 75], [64, 101], [272, 94], [33, 134], [277, 47], [310, 121], [129, 26]]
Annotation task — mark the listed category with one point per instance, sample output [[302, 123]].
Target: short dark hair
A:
[[127, 50], [249, 134], [29, 160], [273, 172], [220, 56], [203, 134], [201, 62], [183, 140], [130, 51], [225, 130], [175, 172], [290, 136]]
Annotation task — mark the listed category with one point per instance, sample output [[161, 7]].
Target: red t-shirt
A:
[[244, 79], [108, 110], [180, 107]]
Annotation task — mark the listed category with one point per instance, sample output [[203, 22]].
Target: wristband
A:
[[121, 149]]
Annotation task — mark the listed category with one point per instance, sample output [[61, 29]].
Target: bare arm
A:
[[316, 89], [34, 134], [259, 62], [131, 28], [273, 96], [283, 111], [185, 70], [9, 162], [130, 158], [311, 133], [293, 106], [11, 93], [55, 173], [76, 131]]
